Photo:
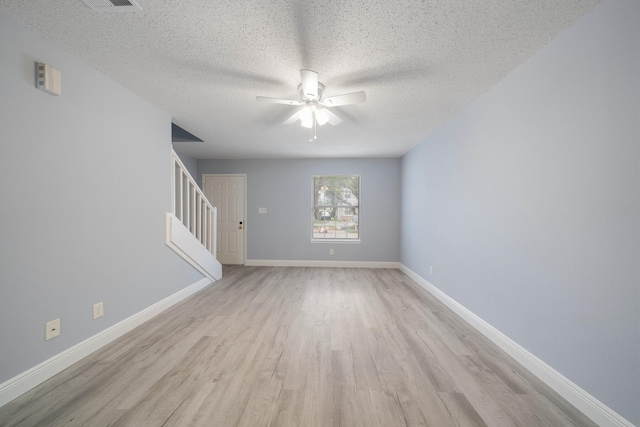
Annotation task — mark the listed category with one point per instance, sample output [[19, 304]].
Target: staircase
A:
[[191, 226]]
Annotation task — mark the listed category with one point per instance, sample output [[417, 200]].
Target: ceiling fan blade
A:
[[333, 119], [309, 83], [278, 100], [346, 99], [293, 118]]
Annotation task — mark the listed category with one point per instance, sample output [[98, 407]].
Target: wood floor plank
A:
[[461, 410], [285, 346]]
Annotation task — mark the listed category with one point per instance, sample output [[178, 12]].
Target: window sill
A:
[[351, 241]]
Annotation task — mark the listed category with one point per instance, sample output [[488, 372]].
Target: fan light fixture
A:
[[322, 117], [306, 117], [311, 115], [310, 98]]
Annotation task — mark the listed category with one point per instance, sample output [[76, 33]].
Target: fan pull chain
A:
[[312, 129]]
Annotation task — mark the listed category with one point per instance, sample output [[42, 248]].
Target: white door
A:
[[227, 194]]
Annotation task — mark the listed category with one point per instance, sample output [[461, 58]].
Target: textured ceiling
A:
[[204, 62]]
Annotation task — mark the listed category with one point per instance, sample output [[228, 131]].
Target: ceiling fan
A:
[[312, 112]]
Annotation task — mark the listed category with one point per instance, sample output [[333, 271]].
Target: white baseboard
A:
[[29, 379], [312, 263], [599, 413]]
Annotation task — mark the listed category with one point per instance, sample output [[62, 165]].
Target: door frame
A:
[[244, 214]]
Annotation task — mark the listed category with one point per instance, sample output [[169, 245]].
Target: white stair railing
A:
[[191, 226], [191, 207]]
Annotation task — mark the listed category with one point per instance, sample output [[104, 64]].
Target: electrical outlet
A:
[[98, 310], [331, 251], [51, 329], [431, 270]]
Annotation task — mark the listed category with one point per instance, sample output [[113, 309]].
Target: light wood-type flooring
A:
[[278, 346]]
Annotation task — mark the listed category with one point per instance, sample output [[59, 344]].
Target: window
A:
[[336, 207]]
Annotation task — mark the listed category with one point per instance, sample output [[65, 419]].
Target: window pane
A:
[[336, 207], [347, 190], [323, 214], [324, 229], [323, 192]]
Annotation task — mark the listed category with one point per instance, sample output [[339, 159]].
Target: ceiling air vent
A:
[[112, 5]]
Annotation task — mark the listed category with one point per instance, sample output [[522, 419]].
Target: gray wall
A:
[[284, 187], [527, 205], [84, 184]]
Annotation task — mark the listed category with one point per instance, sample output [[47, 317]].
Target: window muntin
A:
[[336, 207]]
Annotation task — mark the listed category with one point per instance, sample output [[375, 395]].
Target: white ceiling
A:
[[204, 62]]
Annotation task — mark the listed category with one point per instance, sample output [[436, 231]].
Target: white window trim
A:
[[338, 241], [348, 241]]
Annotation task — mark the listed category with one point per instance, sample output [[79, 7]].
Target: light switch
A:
[[262, 210]]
